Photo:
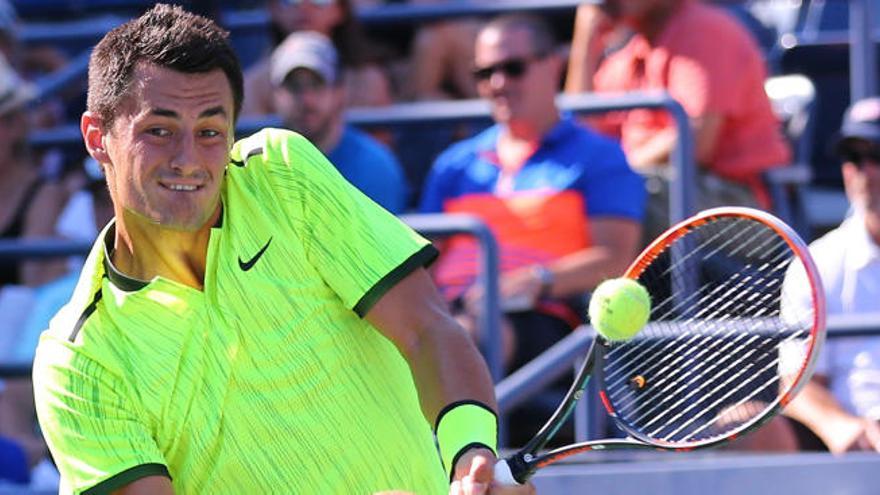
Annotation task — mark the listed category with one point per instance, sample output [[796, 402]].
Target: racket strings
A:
[[709, 361], [706, 314]]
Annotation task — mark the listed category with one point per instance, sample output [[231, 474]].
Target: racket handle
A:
[[503, 475]]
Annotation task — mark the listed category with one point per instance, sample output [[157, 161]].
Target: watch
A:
[[546, 277]]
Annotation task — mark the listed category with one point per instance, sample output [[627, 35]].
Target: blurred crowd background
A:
[[371, 58]]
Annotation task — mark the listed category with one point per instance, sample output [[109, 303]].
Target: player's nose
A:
[[185, 158]]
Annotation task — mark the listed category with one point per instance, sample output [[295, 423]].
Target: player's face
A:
[[519, 83], [306, 15], [169, 146], [308, 105]]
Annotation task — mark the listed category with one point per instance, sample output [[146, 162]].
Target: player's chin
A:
[[185, 219]]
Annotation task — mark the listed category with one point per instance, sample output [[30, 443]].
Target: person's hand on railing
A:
[[852, 434]]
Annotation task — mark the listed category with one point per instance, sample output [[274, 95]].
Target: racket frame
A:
[[520, 466]]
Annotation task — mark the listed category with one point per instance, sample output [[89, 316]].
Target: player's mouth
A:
[[181, 187]]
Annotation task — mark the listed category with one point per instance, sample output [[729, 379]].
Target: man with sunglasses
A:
[[841, 405], [561, 200]]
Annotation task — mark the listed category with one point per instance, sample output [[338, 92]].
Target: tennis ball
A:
[[619, 308]]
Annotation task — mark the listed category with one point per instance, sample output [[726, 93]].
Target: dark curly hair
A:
[[167, 36]]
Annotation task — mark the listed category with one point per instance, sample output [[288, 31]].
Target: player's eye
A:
[[209, 133], [158, 132]]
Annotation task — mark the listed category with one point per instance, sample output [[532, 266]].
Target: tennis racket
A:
[[724, 350]]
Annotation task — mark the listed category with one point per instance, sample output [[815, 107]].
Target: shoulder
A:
[[707, 19], [366, 144], [269, 145], [698, 22], [275, 151]]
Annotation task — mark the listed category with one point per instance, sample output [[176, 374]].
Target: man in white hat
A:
[[310, 97], [842, 403]]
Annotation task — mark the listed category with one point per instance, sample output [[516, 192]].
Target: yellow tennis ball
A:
[[619, 308]]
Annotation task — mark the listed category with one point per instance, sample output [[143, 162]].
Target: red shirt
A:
[[707, 62]]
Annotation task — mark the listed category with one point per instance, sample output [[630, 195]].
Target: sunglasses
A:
[[512, 67]]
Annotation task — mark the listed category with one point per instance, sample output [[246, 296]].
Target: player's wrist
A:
[[462, 426]]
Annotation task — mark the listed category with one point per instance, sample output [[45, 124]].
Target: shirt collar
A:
[[862, 250], [559, 132]]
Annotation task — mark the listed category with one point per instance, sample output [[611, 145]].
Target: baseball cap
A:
[[861, 121], [14, 92], [304, 49]]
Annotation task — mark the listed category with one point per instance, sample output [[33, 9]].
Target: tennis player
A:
[[249, 322]]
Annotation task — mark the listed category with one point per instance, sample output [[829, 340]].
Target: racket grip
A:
[[503, 475]]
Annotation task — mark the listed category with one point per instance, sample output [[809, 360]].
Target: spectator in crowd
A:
[[242, 290], [440, 59], [30, 62], [30, 198], [560, 199], [720, 85], [310, 98], [841, 404], [29, 203], [365, 81]]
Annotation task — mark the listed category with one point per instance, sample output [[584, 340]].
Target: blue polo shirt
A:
[[539, 212], [370, 167]]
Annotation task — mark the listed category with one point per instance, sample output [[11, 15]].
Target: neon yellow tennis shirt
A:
[[268, 380]]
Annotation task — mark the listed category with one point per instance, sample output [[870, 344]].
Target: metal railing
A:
[[243, 20], [447, 112]]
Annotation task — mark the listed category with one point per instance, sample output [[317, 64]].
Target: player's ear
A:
[[92, 129]]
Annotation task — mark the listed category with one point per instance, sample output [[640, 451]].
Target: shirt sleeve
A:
[[97, 437], [360, 249]]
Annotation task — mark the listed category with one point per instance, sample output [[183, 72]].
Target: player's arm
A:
[[447, 369], [151, 485], [446, 365], [840, 430]]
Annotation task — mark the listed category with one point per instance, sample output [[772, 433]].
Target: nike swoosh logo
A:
[[247, 265]]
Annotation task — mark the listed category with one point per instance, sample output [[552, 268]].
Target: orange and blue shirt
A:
[[540, 212]]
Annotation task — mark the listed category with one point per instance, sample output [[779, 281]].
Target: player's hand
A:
[[473, 476]]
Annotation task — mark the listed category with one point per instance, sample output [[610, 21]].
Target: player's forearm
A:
[[445, 364], [447, 368]]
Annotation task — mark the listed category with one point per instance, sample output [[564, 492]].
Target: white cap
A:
[[304, 49]]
